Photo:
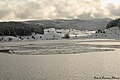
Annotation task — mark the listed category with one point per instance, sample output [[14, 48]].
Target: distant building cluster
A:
[[49, 34]]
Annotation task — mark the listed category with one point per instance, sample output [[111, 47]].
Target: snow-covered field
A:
[[81, 59]]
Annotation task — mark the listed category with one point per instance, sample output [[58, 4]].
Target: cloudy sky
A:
[[54, 9]]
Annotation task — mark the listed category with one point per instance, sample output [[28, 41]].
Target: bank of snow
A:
[[111, 33], [9, 38]]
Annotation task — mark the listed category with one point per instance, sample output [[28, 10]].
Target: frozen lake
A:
[[60, 60]]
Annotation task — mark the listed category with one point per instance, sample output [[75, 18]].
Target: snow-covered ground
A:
[[106, 33], [9, 38], [69, 62], [111, 33], [57, 34]]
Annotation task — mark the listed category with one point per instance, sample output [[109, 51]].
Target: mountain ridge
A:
[[80, 24], [26, 28]]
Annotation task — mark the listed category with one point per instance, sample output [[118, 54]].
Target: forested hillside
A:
[[19, 29]]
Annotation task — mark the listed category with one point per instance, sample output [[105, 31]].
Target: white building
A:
[[49, 34], [49, 30]]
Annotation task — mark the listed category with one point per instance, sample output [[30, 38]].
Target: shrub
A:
[[27, 38], [9, 39], [2, 38], [103, 31], [33, 37], [67, 36]]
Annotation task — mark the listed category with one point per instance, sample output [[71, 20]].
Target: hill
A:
[[79, 24], [26, 28], [19, 29]]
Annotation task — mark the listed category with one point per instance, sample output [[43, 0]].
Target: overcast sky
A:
[[56, 9]]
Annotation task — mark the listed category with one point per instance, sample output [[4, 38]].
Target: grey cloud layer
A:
[[44, 9], [114, 10]]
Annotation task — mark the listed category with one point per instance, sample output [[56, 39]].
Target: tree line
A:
[[19, 29]]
